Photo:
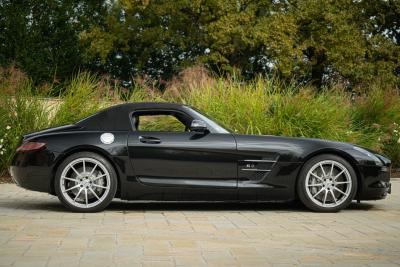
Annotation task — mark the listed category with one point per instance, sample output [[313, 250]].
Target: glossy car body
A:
[[214, 165]]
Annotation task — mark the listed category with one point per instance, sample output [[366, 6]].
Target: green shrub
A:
[[307, 114], [21, 111], [80, 100], [378, 113], [391, 144], [377, 108], [239, 107], [266, 107], [262, 106], [19, 114]]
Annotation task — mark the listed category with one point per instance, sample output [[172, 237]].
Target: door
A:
[[171, 161]]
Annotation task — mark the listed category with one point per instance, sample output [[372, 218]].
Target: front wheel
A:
[[327, 183], [85, 182]]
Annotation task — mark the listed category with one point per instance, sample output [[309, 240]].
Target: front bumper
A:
[[375, 182]]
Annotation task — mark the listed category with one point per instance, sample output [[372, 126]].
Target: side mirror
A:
[[198, 126]]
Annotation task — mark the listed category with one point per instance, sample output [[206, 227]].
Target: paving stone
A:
[[36, 230]]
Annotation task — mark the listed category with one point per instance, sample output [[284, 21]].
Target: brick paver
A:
[[35, 230]]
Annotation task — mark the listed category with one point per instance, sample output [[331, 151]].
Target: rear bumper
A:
[[32, 178], [33, 170], [375, 182]]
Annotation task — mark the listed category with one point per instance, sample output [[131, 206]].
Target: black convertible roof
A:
[[116, 118]]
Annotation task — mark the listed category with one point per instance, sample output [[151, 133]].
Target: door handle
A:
[[149, 140]]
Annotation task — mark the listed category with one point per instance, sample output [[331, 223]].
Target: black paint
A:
[[214, 165]]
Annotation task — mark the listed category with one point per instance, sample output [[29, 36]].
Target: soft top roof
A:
[[116, 118]]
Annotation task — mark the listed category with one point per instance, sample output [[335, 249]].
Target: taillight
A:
[[30, 146]]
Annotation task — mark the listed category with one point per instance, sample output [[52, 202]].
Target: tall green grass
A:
[[240, 107], [80, 100], [377, 113], [23, 111], [266, 107], [262, 106], [20, 113]]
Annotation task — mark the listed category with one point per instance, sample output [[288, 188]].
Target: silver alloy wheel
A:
[[328, 183], [85, 182]]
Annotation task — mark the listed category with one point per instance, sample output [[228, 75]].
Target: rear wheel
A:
[[86, 182], [327, 183]]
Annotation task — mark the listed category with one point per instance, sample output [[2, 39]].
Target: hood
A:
[[299, 149]]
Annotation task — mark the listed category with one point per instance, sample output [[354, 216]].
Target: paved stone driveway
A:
[[35, 230]]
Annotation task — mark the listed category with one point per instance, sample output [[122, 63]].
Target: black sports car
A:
[[172, 152]]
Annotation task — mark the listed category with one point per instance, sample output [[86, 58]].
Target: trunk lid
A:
[[62, 128]]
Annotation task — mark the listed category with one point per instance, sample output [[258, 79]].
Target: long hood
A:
[[290, 149]]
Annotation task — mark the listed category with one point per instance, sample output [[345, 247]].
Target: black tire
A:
[[306, 197], [106, 198]]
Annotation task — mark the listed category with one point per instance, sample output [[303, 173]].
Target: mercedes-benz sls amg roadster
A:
[[172, 152]]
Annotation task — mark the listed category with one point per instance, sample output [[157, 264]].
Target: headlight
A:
[[369, 154]]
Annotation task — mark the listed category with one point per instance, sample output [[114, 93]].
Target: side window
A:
[[158, 123]]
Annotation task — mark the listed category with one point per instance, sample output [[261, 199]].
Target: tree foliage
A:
[[318, 41], [41, 37]]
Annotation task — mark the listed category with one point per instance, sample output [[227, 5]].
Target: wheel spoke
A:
[[331, 173], [84, 166], [99, 186], [326, 195], [337, 175], [333, 196], [314, 185], [77, 195], [94, 193], [340, 191], [98, 177], [95, 166], [71, 179], [323, 171], [66, 190], [316, 176], [86, 197], [318, 192], [73, 168], [346, 182]]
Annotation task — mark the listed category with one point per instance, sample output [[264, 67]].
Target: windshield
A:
[[208, 121]]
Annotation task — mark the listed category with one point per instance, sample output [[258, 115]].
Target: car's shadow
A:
[[126, 207], [218, 206]]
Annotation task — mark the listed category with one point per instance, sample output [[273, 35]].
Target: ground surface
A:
[[35, 230]]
